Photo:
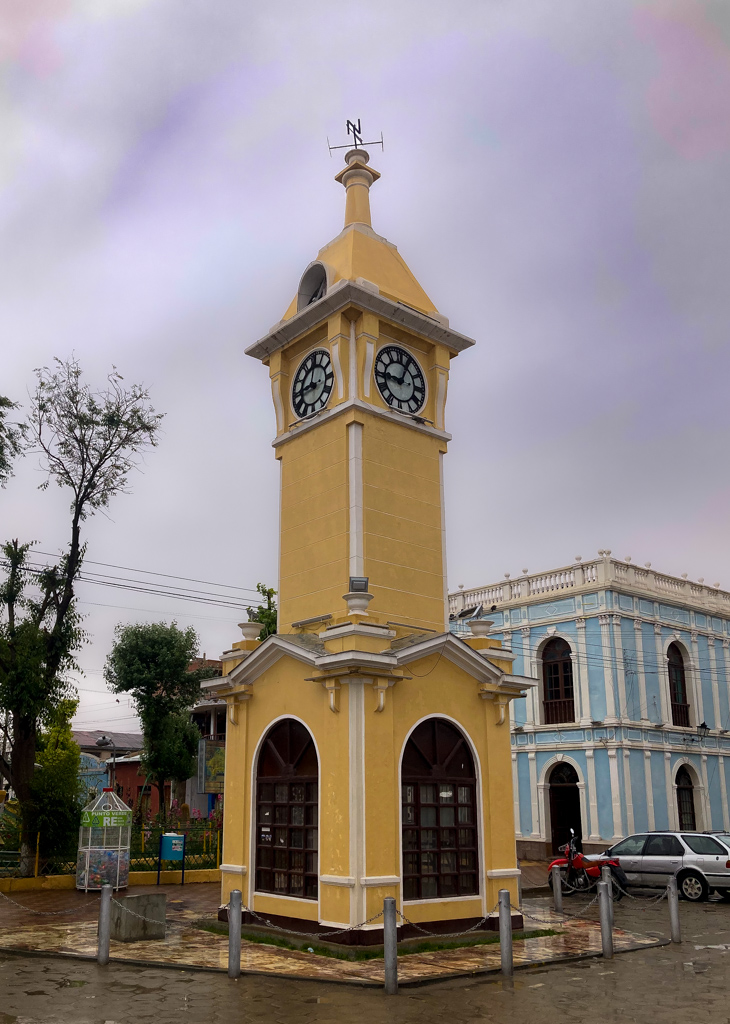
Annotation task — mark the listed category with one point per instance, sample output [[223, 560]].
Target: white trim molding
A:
[[236, 869], [504, 873], [345, 880], [375, 880]]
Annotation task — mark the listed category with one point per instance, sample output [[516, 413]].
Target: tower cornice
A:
[[364, 298]]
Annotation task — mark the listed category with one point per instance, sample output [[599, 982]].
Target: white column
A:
[[662, 675], [516, 795], [585, 695], [443, 542], [535, 806], [619, 649], [714, 682], [604, 621], [627, 790], [672, 813], [649, 790], [595, 834], [723, 793], [726, 661], [615, 792], [643, 710], [354, 444]]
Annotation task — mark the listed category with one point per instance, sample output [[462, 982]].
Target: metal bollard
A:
[[673, 901], [604, 906], [557, 889], [105, 925], [606, 876], [234, 934], [390, 946], [505, 933]]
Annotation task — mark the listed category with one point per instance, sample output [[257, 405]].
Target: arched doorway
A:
[[686, 800], [564, 805], [287, 812], [438, 786]]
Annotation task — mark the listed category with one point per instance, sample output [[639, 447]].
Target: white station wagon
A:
[[700, 861]]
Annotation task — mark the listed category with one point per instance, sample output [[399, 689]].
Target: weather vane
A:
[[354, 129]]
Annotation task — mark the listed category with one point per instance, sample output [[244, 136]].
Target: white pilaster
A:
[[696, 679], [608, 676], [619, 649], [537, 827], [662, 676], [584, 690], [615, 792], [595, 834], [627, 791], [356, 723], [714, 682], [707, 810], [723, 793], [649, 790], [354, 444], [639, 639], [672, 813], [532, 715], [516, 795]]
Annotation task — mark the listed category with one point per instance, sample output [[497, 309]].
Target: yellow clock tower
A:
[[368, 749]]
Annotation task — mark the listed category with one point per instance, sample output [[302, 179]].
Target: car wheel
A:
[[693, 887], [724, 894]]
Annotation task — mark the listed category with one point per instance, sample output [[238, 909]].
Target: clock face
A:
[[312, 385], [400, 379]]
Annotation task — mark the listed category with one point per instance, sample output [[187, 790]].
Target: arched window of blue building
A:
[[677, 686], [557, 677]]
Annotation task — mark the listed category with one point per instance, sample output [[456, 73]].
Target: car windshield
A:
[[704, 844], [724, 837]]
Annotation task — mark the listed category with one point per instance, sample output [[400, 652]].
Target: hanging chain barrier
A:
[[134, 913], [49, 913], [558, 918], [449, 935], [311, 935]]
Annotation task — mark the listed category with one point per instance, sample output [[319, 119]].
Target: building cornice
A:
[[365, 299]]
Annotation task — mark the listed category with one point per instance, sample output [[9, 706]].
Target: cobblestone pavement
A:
[[668, 984]]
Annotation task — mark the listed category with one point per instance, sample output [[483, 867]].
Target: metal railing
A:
[[680, 714], [557, 711]]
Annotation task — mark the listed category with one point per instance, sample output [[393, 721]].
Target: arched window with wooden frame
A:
[[686, 800], [439, 792], [677, 686], [557, 679], [287, 812]]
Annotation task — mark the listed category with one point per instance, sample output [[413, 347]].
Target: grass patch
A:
[[363, 953]]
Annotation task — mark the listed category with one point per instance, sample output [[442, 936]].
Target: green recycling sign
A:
[[108, 818]]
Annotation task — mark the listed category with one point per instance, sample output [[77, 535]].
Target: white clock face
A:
[[313, 382], [400, 379]]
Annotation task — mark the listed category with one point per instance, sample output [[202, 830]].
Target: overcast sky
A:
[[555, 174]]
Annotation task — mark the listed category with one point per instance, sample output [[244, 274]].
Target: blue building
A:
[[627, 727]]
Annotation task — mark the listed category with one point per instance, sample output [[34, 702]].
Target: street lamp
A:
[[105, 742], [703, 731]]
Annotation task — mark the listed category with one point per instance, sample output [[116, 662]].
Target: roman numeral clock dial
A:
[[312, 384], [400, 379]]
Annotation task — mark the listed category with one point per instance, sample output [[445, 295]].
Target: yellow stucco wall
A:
[[437, 687]]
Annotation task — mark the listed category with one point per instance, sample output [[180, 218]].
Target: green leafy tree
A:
[[12, 438], [88, 441], [265, 613], [150, 661], [56, 790]]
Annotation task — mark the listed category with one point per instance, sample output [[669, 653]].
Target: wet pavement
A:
[[670, 984], [72, 931]]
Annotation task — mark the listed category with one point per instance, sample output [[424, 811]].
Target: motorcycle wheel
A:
[[581, 882], [563, 884]]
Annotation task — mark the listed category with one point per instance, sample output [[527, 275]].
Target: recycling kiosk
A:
[[104, 842]]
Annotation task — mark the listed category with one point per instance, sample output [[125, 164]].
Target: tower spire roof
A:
[[357, 178], [358, 253]]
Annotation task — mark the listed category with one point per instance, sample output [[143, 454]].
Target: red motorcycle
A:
[[581, 874]]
